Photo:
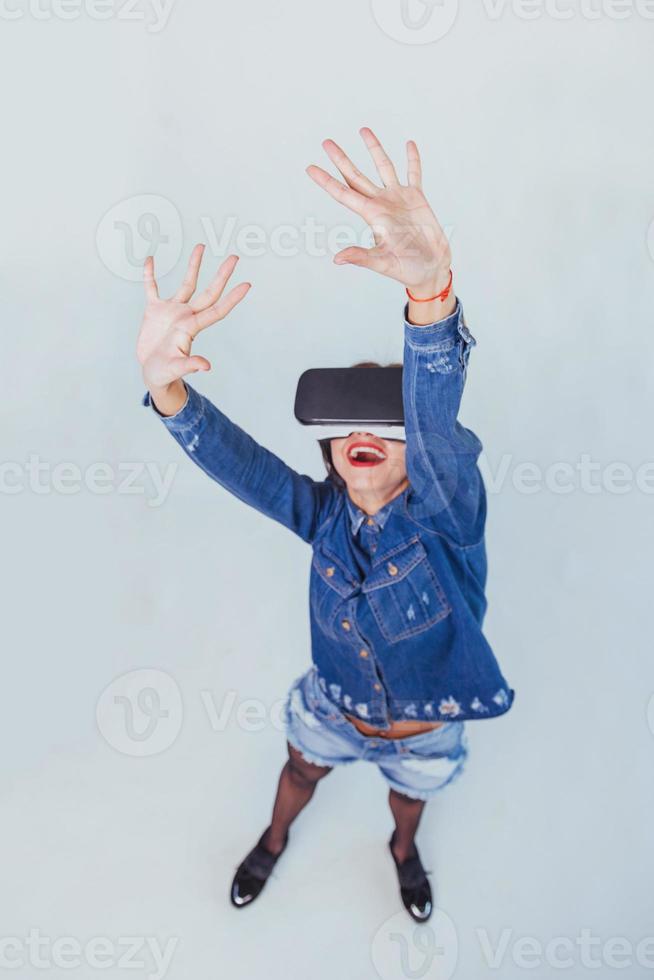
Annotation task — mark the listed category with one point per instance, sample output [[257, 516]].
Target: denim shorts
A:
[[417, 766]]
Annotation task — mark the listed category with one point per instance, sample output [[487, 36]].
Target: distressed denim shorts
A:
[[417, 766]]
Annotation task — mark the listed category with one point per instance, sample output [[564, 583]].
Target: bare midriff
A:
[[398, 729]]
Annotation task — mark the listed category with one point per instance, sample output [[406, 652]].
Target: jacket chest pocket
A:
[[404, 594], [332, 586]]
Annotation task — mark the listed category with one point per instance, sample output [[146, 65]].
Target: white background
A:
[[537, 146]]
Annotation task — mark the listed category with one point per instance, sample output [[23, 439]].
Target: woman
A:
[[397, 531]]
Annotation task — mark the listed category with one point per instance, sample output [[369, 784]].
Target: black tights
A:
[[297, 784]]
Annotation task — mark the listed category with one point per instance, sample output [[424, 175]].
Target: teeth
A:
[[360, 450]]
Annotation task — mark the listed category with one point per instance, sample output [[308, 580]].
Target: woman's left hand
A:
[[410, 245]]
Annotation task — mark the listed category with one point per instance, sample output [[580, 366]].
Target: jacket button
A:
[[392, 569], [363, 653], [377, 687], [345, 623], [330, 571], [370, 522]]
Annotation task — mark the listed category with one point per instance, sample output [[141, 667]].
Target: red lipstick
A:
[[364, 453]]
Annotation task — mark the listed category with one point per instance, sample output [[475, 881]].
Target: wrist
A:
[[168, 399], [432, 285], [431, 300], [159, 389], [424, 314]]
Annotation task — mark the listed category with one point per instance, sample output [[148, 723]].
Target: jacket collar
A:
[[358, 516]]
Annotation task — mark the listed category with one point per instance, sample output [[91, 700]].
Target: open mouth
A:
[[365, 454]]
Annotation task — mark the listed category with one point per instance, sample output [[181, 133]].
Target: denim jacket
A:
[[396, 600]]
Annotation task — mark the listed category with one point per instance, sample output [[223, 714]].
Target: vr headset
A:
[[337, 401]]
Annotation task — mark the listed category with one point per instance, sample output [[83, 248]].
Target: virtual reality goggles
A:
[[334, 402]]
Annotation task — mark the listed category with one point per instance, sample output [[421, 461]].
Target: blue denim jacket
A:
[[396, 600]]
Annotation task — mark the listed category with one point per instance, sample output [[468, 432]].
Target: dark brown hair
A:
[[325, 444]]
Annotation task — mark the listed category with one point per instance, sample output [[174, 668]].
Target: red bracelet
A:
[[442, 296]]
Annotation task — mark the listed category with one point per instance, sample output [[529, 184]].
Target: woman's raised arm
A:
[[217, 445], [447, 491]]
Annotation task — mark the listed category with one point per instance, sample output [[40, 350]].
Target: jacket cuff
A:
[[189, 414], [441, 334]]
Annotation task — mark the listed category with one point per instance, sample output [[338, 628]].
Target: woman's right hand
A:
[[170, 326]]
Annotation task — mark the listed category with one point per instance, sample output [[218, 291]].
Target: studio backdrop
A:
[[153, 623]]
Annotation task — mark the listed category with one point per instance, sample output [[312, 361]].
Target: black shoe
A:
[[414, 887], [253, 873]]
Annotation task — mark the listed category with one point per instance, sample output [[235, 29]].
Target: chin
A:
[[373, 482], [362, 485]]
